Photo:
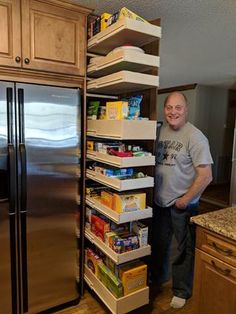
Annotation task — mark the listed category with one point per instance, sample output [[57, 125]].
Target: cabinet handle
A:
[[225, 271], [228, 252], [17, 59], [27, 60]]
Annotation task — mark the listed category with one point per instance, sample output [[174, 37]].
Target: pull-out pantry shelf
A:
[[121, 162], [122, 129], [121, 82], [123, 60], [121, 185], [124, 31], [116, 217], [117, 258], [116, 306]]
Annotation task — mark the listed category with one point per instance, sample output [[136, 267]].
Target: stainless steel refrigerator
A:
[[39, 145], [233, 172]]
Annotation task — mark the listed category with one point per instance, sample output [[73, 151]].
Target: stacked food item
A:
[[121, 202], [120, 238], [118, 173], [120, 280], [124, 109], [99, 23], [116, 148]]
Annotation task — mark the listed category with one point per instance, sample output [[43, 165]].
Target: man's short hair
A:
[[180, 93]]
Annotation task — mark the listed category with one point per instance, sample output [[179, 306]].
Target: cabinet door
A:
[[10, 42], [214, 285], [53, 37]]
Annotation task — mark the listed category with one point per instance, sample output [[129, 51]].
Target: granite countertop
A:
[[221, 221]]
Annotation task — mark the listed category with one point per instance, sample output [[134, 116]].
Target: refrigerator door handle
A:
[[23, 205], [9, 92], [12, 173], [23, 198], [21, 115], [22, 150], [11, 151]]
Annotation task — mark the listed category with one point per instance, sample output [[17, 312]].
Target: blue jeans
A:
[[166, 222]]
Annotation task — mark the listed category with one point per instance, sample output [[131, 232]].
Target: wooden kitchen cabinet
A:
[[10, 32], [215, 274], [43, 35]]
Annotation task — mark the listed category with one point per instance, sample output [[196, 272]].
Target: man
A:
[[183, 171]]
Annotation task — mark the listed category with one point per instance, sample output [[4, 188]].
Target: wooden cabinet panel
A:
[[10, 45], [53, 38], [214, 285], [216, 245]]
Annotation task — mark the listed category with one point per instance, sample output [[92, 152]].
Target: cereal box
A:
[[117, 110], [128, 202]]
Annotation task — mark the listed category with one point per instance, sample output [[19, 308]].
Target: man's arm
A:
[[203, 178]]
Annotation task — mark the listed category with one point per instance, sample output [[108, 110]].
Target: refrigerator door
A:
[[49, 138], [233, 174], [8, 257]]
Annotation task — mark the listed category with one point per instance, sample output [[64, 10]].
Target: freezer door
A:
[[8, 258], [49, 139]]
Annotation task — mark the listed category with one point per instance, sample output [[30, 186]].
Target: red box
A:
[[99, 227]]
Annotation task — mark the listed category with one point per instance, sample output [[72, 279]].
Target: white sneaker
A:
[[177, 302]]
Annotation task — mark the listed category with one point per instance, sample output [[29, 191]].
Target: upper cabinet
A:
[[43, 35], [10, 33]]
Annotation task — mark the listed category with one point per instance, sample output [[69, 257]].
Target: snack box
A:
[[117, 110], [92, 260], [109, 279], [109, 238], [92, 111], [124, 242], [128, 202], [89, 213], [133, 277], [107, 199], [142, 232], [90, 145], [124, 12], [99, 227], [104, 18]]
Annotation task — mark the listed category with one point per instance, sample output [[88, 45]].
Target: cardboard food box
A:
[[109, 279], [133, 277], [124, 12], [142, 232], [104, 18], [89, 213], [117, 110], [99, 227], [109, 238], [128, 202], [92, 260], [107, 199], [90, 145]]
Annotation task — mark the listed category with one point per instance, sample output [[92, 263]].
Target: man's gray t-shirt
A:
[[178, 153]]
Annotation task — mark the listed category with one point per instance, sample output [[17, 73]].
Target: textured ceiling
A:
[[198, 42]]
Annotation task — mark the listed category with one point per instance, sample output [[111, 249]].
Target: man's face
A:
[[176, 111]]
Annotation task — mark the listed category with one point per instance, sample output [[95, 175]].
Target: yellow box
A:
[[90, 145], [124, 12], [133, 277], [128, 202], [104, 19], [107, 199], [117, 110]]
